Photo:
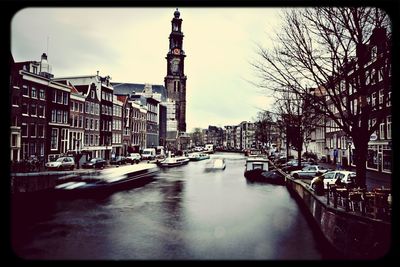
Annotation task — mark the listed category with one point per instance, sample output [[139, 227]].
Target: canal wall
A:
[[352, 235]]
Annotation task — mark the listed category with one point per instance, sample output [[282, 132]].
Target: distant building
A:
[[98, 112], [117, 128]]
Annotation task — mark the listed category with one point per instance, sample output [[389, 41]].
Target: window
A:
[[85, 141], [176, 86], [80, 122], [76, 104], [380, 99], [41, 94], [25, 150], [91, 124], [373, 97], [91, 140], [81, 107], [33, 110], [65, 98], [32, 149], [25, 108], [32, 130], [64, 140], [388, 103], [41, 149], [72, 105], [40, 130], [74, 120], [40, 111], [14, 140], [96, 124], [53, 116], [15, 101], [374, 52], [24, 130], [92, 94], [65, 116], [87, 124], [54, 99], [373, 76], [380, 74], [389, 127], [59, 97], [34, 69], [59, 116], [382, 131], [33, 92], [25, 90], [54, 139]]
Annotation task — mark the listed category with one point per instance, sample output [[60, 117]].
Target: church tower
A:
[[175, 81]]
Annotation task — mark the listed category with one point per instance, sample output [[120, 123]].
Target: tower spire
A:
[[175, 80]]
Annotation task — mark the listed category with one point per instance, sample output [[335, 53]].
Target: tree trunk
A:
[[299, 156], [361, 151]]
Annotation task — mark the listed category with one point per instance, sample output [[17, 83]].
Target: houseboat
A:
[[174, 161], [257, 170]]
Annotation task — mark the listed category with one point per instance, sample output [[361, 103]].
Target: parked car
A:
[[62, 163], [294, 167], [94, 163], [308, 172], [282, 160], [346, 178], [118, 160], [133, 158]]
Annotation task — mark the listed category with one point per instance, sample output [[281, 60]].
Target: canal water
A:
[[183, 213]]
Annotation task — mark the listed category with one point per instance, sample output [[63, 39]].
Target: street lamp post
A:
[[349, 143]]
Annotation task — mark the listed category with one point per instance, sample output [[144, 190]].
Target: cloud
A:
[[130, 45]]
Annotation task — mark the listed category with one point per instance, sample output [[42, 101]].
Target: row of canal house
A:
[[39, 111], [329, 141], [81, 115]]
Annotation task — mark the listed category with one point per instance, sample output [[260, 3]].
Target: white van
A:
[[209, 148], [149, 154]]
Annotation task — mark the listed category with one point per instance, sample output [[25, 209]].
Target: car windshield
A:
[[59, 159], [94, 160], [146, 152]]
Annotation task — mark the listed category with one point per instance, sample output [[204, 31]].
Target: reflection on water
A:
[[183, 213]]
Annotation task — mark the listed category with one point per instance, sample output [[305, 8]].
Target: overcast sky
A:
[[130, 45]]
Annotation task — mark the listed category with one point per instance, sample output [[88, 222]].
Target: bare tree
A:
[[298, 118], [264, 123], [327, 48], [197, 136]]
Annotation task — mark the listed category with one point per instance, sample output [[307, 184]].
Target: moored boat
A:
[[257, 170], [198, 156], [174, 161]]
